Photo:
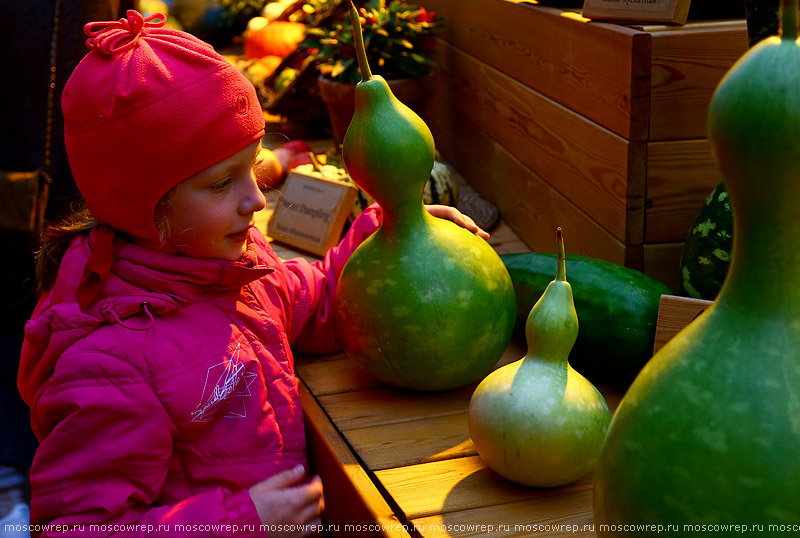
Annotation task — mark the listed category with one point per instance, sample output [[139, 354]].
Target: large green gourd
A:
[[709, 432], [422, 303]]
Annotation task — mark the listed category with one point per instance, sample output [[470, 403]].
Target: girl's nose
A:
[[254, 200]]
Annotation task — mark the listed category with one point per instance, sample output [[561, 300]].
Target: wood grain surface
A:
[[586, 163], [680, 175], [576, 64], [687, 64]]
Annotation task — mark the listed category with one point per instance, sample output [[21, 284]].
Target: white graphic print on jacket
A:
[[226, 381]]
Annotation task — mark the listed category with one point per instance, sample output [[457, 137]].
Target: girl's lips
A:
[[240, 236]]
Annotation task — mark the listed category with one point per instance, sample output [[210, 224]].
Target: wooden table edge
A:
[[353, 504]]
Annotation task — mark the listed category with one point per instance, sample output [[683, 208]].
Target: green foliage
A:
[[398, 38]]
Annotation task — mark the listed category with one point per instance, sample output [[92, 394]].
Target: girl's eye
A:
[[220, 185]]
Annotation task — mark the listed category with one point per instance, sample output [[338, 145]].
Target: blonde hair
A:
[[58, 236]]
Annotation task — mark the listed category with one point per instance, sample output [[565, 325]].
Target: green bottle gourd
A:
[[709, 432], [422, 303], [537, 421]]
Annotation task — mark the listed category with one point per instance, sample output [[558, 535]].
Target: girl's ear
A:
[[162, 214]]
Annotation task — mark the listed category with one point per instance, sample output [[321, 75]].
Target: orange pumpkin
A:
[[264, 67], [277, 38]]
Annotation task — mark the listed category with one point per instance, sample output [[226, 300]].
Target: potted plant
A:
[[399, 40]]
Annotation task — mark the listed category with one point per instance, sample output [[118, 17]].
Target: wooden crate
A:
[[595, 127]]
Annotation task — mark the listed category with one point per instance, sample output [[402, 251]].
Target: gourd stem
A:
[[788, 20], [561, 272], [358, 39]]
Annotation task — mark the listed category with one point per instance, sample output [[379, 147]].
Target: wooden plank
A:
[[559, 516], [458, 484], [435, 438], [365, 408], [333, 376], [680, 175], [528, 204], [504, 241], [586, 163], [635, 204], [662, 262], [602, 71], [388, 405], [687, 65], [675, 313], [412, 442], [353, 505]]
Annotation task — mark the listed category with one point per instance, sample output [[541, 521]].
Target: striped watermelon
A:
[[707, 251]]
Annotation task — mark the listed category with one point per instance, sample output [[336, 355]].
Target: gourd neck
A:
[[358, 39], [788, 19], [552, 325], [765, 257], [402, 219]]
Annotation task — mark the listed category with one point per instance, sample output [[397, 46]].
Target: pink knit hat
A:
[[147, 108]]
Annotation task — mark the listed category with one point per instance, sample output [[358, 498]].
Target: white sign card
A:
[[657, 11], [311, 212]]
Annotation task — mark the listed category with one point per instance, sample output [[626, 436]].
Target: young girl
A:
[[157, 364]]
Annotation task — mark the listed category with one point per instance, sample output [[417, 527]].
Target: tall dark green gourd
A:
[[709, 432], [422, 303]]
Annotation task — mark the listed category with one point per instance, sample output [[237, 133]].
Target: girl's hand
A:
[[452, 214], [289, 508]]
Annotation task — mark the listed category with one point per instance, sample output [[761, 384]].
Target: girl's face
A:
[[210, 214]]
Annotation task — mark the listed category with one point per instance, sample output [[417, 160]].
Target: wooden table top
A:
[[416, 450]]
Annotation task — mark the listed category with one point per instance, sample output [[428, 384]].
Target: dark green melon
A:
[[707, 251], [617, 308]]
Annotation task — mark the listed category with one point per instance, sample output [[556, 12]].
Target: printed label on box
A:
[[311, 212], [665, 11]]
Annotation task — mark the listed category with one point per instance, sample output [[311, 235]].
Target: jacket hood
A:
[[142, 281]]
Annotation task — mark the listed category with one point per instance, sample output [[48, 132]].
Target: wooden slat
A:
[[635, 204], [333, 376], [675, 313], [560, 516], [423, 440], [687, 65], [459, 484], [680, 175], [528, 204], [376, 407], [502, 239], [586, 163], [662, 262], [351, 497], [412, 442], [602, 71], [385, 405]]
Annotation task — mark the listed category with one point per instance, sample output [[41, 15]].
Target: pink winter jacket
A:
[[163, 402]]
